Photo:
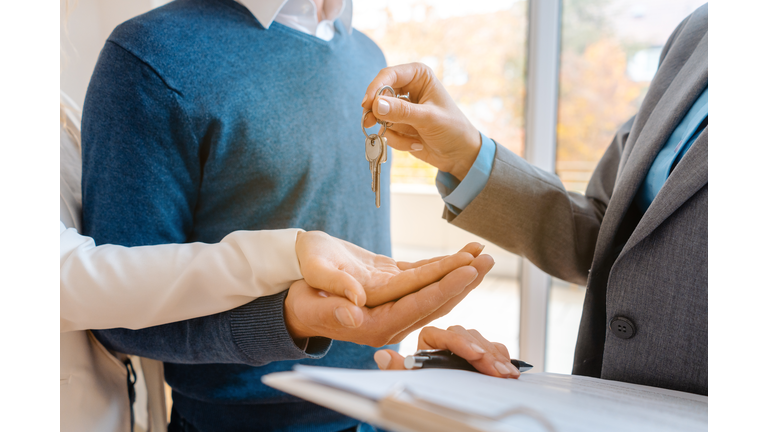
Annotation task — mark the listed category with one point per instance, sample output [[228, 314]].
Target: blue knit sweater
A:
[[199, 122]]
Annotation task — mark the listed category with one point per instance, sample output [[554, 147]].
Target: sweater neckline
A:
[[340, 33], [276, 26]]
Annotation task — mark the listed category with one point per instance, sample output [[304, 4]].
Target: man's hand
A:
[[365, 278], [431, 126], [310, 312], [490, 358]]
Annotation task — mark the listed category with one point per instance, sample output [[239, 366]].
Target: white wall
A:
[[84, 29], [419, 231]]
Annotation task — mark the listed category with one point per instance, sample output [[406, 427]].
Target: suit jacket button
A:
[[622, 327]]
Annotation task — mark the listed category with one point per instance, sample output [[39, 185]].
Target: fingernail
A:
[[351, 296], [417, 147], [382, 359], [482, 246], [323, 294], [364, 99], [383, 107], [477, 348], [513, 370], [501, 368], [344, 317]]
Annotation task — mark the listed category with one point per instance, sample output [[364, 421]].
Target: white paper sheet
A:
[[568, 402]]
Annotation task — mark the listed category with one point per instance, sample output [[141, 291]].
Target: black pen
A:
[[444, 359]]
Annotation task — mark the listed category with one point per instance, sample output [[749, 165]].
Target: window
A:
[[477, 49], [609, 53]]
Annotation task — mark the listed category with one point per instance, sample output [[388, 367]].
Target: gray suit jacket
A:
[[649, 269]]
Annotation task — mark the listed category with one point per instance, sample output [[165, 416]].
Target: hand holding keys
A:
[[376, 148]]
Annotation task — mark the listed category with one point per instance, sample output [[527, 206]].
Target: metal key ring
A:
[[378, 93], [406, 97], [362, 125], [386, 87], [384, 124]]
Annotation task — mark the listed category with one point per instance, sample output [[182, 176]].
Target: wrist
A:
[[302, 238], [463, 163], [298, 331], [297, 245]]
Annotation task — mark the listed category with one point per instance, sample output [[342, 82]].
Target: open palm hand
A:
[[366, 278]]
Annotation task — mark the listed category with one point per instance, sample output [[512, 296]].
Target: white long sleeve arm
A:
[[112, 286]]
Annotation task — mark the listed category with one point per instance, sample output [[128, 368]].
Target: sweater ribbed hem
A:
[[258, 329]]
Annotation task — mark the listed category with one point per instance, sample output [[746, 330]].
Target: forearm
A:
[[253, 334], [528, 212], [112, 286]]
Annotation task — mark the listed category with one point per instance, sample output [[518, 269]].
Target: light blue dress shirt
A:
[[676, 146], [458, 194]]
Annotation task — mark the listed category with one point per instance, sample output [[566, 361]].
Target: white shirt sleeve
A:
[[111, 286]]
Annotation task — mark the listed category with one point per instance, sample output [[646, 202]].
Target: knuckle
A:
[[456, 328], [466, 257], [380, 341], [430, 74], [425, 68], [502, 348], [334, 283], [405, 109]]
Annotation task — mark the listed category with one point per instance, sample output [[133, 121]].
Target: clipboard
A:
[[451, 400]]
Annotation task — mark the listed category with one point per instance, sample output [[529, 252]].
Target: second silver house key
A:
[[375, 154], [374, 149]]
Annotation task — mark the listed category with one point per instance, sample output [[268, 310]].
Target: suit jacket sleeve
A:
[[527, 211]]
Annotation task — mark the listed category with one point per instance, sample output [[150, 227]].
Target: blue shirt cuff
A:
[[458, 194]]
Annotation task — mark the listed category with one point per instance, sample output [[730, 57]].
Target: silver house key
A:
[[376, 147], [375, 154]]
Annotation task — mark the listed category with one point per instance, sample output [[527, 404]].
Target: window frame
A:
[[542, 82]]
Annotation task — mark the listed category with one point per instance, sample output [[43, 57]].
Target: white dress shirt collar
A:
[[302, 15]]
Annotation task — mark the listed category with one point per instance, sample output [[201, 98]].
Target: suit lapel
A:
[[690, 175], [662, 121]]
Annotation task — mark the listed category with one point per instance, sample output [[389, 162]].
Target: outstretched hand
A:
[[365, 278], [490, 358], [431, 126], [310, 312]]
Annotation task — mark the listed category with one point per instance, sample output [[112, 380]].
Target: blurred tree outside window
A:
[[609, 53]]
